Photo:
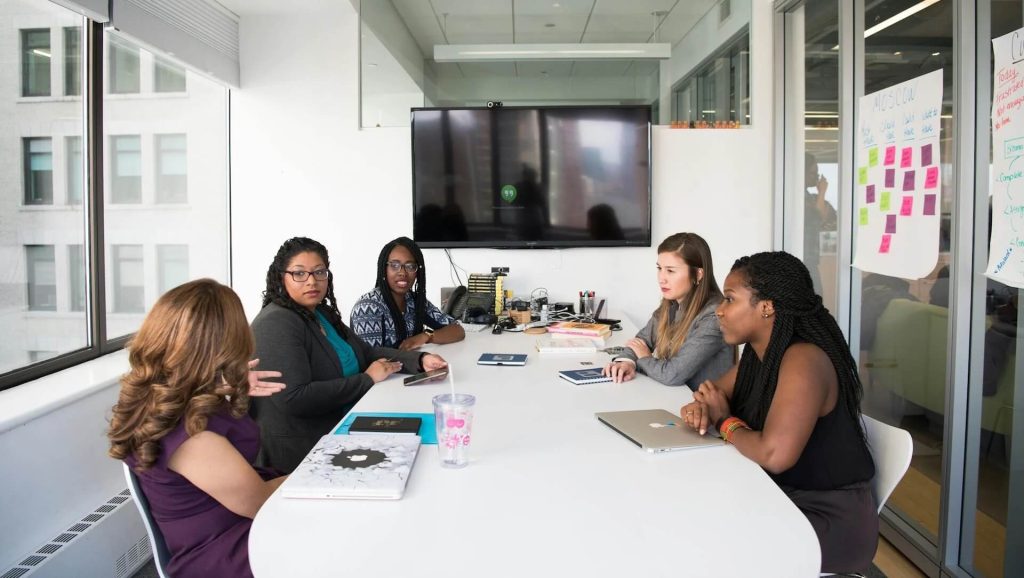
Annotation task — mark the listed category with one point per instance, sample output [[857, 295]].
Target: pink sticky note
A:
[[931, 178], [908, 181], [870, 194], [890, 156], [890, 178], [906, 157], [890, 224], [929, 204], [926, 155], [907, 207], [886, 241]]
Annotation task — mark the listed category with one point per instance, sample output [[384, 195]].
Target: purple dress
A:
[[203, 537]]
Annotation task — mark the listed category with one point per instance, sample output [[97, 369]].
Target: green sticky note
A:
[[863, 216], [883, 204], [862, 175], [872, 156]]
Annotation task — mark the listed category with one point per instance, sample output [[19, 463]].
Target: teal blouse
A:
[[349, 363]]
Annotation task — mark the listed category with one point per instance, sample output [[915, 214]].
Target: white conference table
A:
[[549, 491]]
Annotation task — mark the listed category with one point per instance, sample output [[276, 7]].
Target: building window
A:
[[717, 94], [73, 156], [172, 266], [38, 166], [126, 169], [76, 278], [124, 68], [168, 77], [72, 61], [171, 168], [129, 290], [35, 356], [35, 62], [42, 278]]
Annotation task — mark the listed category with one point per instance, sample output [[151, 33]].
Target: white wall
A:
[[300, 166]]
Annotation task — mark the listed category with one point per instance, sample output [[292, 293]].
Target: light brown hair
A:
[[188, 361], [694, 251]]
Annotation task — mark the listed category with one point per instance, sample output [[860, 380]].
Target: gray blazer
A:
[[703, 355], [317, 396]]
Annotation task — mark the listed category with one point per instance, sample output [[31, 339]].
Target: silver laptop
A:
[[656, 430]]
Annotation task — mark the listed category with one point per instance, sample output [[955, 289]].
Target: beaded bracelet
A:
[[729, 426]]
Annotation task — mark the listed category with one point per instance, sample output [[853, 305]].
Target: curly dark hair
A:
[[419, 288], [799, 316], [276, 292]]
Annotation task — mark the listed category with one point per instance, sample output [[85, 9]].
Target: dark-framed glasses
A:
[[300, 276], [409, 267]]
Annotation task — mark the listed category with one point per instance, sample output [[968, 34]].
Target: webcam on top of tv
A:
[[495, 104]]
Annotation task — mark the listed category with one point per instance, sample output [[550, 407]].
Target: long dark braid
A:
[[799, 316], [277, 294], [419, 289]]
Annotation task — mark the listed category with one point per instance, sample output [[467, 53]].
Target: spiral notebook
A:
[[367, 466]]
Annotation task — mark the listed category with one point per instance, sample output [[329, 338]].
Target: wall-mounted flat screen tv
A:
[[529, 177]]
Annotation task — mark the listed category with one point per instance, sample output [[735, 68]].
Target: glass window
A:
[[42, 278], [126, 169], [129, 282], [124, 67], [171, 168], [172, 266], [35, 62], [168, 77], [72, 61], [38, 153], [73, 163], [718, 93], [77, 283]]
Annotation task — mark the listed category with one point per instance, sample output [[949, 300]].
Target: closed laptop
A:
[[656, 430]]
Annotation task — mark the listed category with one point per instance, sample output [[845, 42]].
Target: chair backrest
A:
[[161, 556], [891, 449]]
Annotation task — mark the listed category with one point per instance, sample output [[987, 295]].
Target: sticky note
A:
[[907, 206], [862, 175], [886, 242], [926, 155], [872, 156], [908, 181], [906, 157], [890, 156], [890, 178], [890, 224], [931, 178], [883, 203], [929, 204], [863, 216], [870, 194]]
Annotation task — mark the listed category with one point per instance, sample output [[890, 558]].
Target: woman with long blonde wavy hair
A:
[[682, 343], [181, 424]]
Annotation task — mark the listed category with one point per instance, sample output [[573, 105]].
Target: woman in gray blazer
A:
[[327, 368], [682, 343]]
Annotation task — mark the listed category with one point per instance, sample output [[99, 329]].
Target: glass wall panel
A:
[[904, 322], [41, 217]]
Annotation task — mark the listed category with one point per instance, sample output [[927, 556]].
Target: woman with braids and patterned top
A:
[[681, 344], [180, 424], [792, 404], [397, 313], [326, 366]]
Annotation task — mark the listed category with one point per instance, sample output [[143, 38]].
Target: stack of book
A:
[[566, 346], [596, 332]]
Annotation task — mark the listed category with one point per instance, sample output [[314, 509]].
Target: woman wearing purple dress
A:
[[181, 424]]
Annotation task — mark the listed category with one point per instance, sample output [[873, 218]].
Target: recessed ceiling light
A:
[[556, 5], [897, 53], [935, 53]]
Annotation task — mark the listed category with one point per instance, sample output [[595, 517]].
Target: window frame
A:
[[23, 39], [29, 181]]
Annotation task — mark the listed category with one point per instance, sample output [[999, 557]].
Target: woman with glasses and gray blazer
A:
[[327, 368]]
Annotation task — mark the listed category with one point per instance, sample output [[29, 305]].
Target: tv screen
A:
[[505, 177]]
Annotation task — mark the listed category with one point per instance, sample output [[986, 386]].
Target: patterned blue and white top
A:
[[371, 320]]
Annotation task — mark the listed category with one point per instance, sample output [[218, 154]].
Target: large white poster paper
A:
[[1006, 250], [898, 182]]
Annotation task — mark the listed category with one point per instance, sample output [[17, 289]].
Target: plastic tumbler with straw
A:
[[453, 417]]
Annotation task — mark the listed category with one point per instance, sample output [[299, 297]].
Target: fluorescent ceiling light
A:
[[39, 52], [499, 52], [893, 20]]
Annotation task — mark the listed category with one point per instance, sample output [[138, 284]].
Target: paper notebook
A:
[[374, 467], [428, 435], [584, 376], [502, 359]]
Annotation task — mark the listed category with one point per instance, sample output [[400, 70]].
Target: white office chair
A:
[[161, 556], [891, 449]]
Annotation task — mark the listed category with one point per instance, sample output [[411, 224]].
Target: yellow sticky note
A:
[[883, 204], [862, 175], [872, 156], [863, 216]]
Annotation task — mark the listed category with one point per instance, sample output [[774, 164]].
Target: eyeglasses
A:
[[300, 276], [409, 267]]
